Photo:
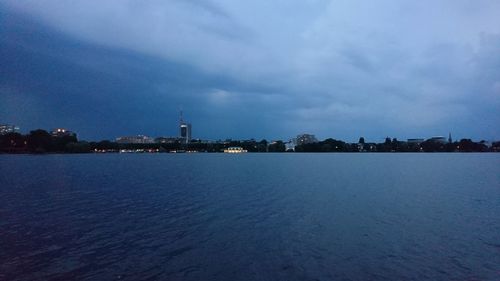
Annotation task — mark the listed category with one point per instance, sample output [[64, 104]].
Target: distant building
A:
[[305, 139], [60, 132], [488, 144], [185, 130], [7, 129], [438, 139], [361, 147], [415, 141], [135, 139], [168, 139], [291, 144]]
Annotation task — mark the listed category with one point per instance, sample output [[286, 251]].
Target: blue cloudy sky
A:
[[253, 69]]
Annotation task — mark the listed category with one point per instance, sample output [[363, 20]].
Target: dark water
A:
[[250, 217]]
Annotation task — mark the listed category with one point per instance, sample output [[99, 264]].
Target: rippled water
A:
[[250, 217]]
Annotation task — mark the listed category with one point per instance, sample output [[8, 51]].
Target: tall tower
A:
[[184, 129], [449, 138]]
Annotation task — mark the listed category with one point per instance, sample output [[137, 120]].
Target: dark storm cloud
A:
[[50, 80], [334, 68]]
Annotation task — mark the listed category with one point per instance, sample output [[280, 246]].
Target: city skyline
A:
[[184, 131], [184, 136], [330, 68]]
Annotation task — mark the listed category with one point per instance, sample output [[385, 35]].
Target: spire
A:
[[181, 120]]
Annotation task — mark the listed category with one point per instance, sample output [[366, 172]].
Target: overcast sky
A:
[[253, 69]]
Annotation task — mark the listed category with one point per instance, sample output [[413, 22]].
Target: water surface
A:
[[250, 217]]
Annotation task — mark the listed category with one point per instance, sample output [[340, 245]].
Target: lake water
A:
[[250, 217]]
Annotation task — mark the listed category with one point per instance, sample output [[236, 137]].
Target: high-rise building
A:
[[6, 129], [185, 130]]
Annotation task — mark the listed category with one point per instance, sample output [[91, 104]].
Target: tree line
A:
[[40, 141], [393, 145]]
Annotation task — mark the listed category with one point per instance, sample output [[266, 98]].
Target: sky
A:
[[253, 69]]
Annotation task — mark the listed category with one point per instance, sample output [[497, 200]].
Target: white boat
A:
[[235, 149]]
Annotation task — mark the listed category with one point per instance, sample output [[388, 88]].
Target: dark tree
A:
[[394, 145], [386, 146], [59, 143], [77, 147], [39, 141], [250, 145], [12, 142], [277, 146], [104, 145], [328, 145], [262, 146], [467, 145], [433, 146]]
